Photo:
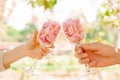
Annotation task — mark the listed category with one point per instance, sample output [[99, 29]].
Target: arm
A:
[[97, 54], [31, 49], [14, 55], [1, 62]]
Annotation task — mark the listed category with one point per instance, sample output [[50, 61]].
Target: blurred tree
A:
[[99, 34], [3, 18], [47, 4], [2, 6], [109, 16], [27, 31], [14, 35]]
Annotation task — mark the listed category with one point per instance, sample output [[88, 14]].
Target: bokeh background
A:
[[20, 18]]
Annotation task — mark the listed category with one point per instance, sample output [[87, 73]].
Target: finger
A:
[[35, 35], [33, 42], [45, 50], [52, 46], [90, 46], [85, 61], [78, 49], [76, 55], [92, 64], [34, 39], [80, 62], [41, 54], [81, 56], [37, 54]]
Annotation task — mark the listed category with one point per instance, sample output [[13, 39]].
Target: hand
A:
[[34, 49], [97, 54], [31, 49]]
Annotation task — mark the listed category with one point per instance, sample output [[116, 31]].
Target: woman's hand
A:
[[31, 49], [34, 48]]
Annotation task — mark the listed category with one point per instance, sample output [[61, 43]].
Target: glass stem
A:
[[87, 68], [32, 67]]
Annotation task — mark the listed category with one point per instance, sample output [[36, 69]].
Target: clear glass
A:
[[47, 35], [75, 33]]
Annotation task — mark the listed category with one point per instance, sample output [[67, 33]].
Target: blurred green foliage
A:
[[14, 35], [99, 34], [47, 4], [108, 14]]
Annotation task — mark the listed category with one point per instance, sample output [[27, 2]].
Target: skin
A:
[[31, 49], [97, 54]]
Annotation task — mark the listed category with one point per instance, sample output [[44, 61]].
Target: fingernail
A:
[[85, 55], [86, 61]]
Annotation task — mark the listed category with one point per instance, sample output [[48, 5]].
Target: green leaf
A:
[[114, 11], [104, 5], [49, 4], [32, 3], [108, 13], [52, 3], [40, 2]]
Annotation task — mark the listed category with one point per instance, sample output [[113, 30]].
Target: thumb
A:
[[90, 46], [52, 46], [35, 36], [34, 40]]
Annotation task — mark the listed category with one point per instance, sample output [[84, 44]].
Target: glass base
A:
[[87, 72], [31, 71]]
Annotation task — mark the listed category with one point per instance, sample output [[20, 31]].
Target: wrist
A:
[[21, 50], [27, 49], [117, 52], [5, 62]]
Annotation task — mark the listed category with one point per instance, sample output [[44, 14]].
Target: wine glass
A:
[[46, 37], [75, 33]]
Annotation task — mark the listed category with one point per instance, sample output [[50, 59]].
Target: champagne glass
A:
[[75, 33], [46, 37]]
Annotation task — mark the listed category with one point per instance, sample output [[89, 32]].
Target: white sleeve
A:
[[1, 62]]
